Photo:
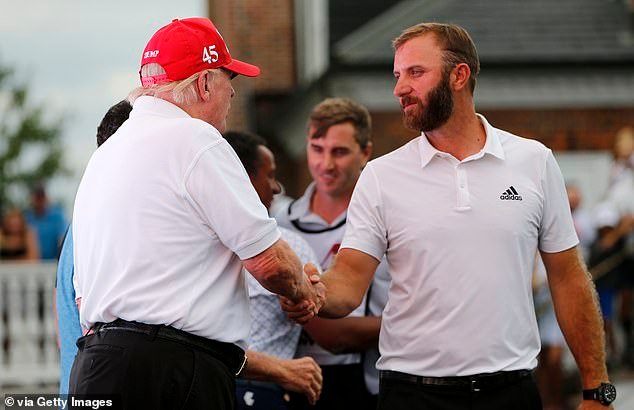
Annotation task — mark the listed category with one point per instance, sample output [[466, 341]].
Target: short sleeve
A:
[[365, 226], [220, 191], [557, 231]]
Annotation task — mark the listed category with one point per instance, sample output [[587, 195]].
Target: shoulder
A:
[[281, 216], [200, 133], [392, 167], [57, 211], [409, 152], [517, 145]]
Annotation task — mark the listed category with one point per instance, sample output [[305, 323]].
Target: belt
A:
[[231, 355], [474, 383]]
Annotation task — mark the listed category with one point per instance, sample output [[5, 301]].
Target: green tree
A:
[[30, 147]]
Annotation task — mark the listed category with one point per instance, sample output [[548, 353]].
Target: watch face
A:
[[607, 393]]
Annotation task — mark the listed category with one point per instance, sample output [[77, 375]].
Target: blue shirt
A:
[[49, 228], [67, 313]]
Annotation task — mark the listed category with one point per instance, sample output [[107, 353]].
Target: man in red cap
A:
[[165, 217]]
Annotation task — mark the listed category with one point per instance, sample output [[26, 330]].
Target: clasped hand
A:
[[307, 308]]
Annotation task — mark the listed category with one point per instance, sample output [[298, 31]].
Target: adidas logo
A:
[[510, 195]]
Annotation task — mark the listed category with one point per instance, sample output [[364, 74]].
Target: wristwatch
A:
[[604, 394]]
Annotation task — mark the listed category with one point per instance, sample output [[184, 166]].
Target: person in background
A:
[[273, 337], [549, 372], [17, 240], [460, 213], [623, 152], [611, 267], [338, 145], [583, 221], [620, 196], [48, 222]]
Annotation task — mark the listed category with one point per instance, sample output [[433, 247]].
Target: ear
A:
[[203, 86], [367, 153], [460, 76]]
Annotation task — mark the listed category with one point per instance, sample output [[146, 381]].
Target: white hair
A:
[[182, 92]]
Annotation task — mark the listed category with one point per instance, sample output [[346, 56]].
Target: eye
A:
[[340, 152]]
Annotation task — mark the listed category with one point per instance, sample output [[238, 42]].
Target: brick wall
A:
[[560, 130], [565, 129], [262, 33]]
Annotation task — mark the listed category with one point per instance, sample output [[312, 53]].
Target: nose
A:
[[233, 92], [402, 87], [329, 162], [276, 187]]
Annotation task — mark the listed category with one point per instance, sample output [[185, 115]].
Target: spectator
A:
[[620, 196], [611, 267], [273, 337], [583, 221], [17, 240], [338, 145], [48, 222], [623, 152], [549, 368]]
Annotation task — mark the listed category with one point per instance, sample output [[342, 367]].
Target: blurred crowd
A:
[[606, 235], [34, 233]]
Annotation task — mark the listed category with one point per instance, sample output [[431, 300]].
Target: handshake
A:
[[310, 298]]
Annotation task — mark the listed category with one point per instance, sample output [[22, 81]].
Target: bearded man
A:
[[459, 212]]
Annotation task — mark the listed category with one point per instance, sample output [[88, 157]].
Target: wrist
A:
[[604, 393]]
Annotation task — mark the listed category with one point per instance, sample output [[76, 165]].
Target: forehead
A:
[[266, 157], [421, 50], [337, 135]]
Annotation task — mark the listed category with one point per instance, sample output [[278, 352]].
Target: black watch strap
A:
[[591, 394], [604, 394]]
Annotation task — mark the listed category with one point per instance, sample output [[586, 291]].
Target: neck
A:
[[461, 136], [329, 207]]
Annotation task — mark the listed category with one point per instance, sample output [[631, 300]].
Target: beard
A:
[[438, 111]]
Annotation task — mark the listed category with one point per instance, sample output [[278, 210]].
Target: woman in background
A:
[[17, 240]]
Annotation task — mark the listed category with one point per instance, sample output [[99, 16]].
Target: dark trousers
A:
[[146, 372], [398, 395], [256, 395], [343, 388]]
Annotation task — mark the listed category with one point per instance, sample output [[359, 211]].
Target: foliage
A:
[[30, 147]]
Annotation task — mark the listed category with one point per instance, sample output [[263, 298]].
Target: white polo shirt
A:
[[163, 215], [460, 239]]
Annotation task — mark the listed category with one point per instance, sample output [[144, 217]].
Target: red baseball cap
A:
[[185, 47]]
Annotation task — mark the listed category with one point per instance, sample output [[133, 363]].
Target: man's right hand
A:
[[313, 299], [302, 375]]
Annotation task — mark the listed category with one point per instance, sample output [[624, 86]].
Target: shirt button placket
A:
[[464, 202]]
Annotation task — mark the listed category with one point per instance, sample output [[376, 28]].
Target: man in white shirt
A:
[[460, 212], [164, 220], [338, 145]]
